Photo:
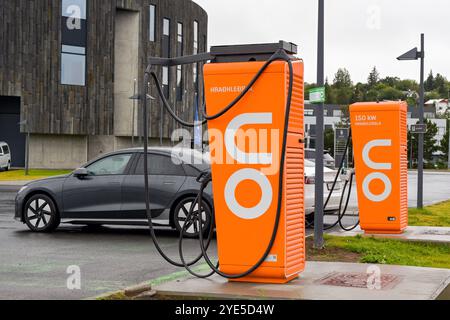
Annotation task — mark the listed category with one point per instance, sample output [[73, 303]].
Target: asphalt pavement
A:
[[35, 266]]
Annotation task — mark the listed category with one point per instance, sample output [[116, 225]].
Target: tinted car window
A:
[[5, 150], [113, 165], [159, 165]]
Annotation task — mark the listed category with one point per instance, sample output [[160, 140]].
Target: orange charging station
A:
[[246, 147], [381, 161]]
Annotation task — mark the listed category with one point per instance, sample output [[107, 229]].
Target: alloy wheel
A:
[[40, 214], [192, 227]]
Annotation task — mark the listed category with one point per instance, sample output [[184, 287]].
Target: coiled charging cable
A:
[[205, 178]]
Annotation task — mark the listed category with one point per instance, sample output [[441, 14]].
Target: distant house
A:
[[430, 111], [441, 105], [335, 115]]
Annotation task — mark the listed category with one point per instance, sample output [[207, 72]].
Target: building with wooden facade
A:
[[69, 67]]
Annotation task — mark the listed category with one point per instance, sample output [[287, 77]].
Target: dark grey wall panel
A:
[[30, 45]]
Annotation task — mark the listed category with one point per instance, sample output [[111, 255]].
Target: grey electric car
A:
[[110, 191]]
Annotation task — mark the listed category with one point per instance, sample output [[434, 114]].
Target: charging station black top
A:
[[250, 52]]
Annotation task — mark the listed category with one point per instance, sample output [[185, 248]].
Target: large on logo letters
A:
[[247, 174], [376, 175]]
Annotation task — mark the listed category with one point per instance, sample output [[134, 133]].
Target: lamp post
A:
[[319, 193], [133, 117], [27, 146], [414, 54]]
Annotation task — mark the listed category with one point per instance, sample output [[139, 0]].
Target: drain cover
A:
[[436, 233], [357, 280]]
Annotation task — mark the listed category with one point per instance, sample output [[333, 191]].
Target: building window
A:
[[337, 113], [180, 49], [73, 42], [166, 27], [166, 54], [195, 37], [195, 70], [152, 19]]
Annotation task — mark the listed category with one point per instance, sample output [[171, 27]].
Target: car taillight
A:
[[310, 180]]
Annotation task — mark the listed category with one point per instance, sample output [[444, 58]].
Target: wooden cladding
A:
[[30, 63]]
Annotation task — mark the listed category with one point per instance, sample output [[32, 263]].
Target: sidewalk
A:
[[323, 281], [420, 234]]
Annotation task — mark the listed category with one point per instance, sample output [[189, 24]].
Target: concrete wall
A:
[[57, 152], [126, 71], [99, 145]]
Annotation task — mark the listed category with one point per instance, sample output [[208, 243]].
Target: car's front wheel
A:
[[40, 214], [181, 214]]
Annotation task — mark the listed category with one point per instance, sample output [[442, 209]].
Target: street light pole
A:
[[448, 132], [448, 128], [414, 54], [133, 117], [421, 120], [319, 176]]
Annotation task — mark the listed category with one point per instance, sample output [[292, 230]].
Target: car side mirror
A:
[[81, 173]]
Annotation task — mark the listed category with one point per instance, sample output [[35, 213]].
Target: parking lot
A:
[[34, 266]]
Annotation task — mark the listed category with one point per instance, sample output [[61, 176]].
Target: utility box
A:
[[381, 162], [246, 147]]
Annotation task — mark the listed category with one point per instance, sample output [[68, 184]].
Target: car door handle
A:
[[169, 182]]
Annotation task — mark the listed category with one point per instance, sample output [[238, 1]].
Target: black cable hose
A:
[[341, 215], [281, 180], [338, 173], [280, 55], [146, 184]]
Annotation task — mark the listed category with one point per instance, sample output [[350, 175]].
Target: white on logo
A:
[[248, 174], [74, 279], [74, 20], [374, 17], [376, 175], [266, 198], [233, 128], [374, 278]]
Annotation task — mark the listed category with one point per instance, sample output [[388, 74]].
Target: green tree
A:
[[374, 77], [328, 93], [430, 143], [329, 140], [342, 79], [390, 93], [432, 95], [429, 83], [359, 93], [391, 81], [445, 140], [440, 85], [407, 85]]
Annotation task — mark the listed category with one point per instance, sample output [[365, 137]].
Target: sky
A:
[[359, 34]]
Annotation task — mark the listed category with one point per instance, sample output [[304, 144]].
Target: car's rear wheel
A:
[[181, 213], [40, 214]]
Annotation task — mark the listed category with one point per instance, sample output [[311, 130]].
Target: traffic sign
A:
[[419, 128], [317, 95]]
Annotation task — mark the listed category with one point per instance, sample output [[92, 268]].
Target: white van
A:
[[5, 156]]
